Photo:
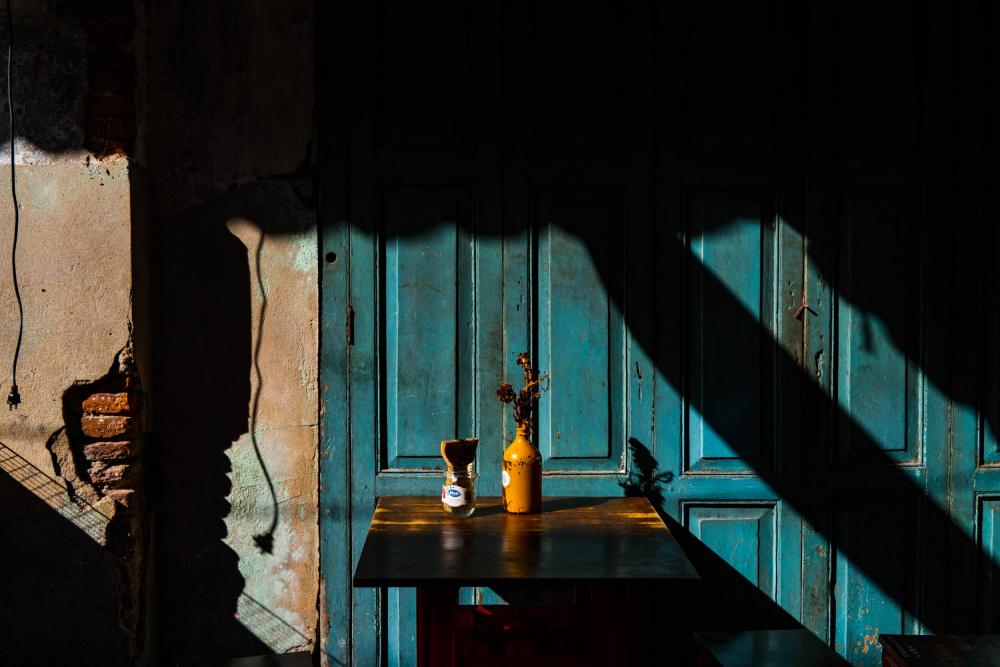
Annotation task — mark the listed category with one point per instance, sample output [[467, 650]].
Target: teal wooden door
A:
[[736, 276], [878, 447], [424, 270], [476, 222], [727, 381]]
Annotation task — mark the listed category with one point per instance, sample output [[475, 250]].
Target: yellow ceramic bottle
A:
[[522, 476]]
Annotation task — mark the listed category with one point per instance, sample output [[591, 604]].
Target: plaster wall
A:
[[228, 91], [74, 274], [69, 562], [225, 99]]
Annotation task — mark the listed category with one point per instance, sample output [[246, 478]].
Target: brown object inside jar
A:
[[459, 454]]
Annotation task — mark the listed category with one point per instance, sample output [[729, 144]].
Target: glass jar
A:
[[458, 494]]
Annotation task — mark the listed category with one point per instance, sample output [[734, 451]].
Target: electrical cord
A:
[[13, 398]]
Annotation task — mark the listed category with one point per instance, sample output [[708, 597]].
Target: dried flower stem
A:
[[524, 401]]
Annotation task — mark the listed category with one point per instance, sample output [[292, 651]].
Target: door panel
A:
[[733, 377], [988, 534], [864, 608], [879, 383], [429, 289], [989, 420], [744, 535], [737, 490], [581, 330]]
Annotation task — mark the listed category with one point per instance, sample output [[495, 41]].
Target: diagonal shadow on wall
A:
[[869, 558], [59, 594]]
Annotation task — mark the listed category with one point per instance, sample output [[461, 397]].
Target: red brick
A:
[[126, 497], [104, 148], [113, 475], [114, 426], [111, 451], [111, 404]]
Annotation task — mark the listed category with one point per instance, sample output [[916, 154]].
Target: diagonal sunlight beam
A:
[[279, 635], [83, 515], [867, 558], [668, 263]]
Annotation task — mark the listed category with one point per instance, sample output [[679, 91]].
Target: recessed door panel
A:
[[876, 587], [429, 322], [879, 383], [581, 331], [745, 536], [990, 376], [988, 530], [732, 378]]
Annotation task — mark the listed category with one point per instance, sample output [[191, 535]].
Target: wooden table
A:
[[598, 545], [940, 650]]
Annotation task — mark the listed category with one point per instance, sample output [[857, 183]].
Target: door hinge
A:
[[350, 326]]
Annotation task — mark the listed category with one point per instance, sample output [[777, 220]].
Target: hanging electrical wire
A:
[[13, 398]]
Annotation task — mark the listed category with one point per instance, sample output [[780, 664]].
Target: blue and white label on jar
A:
[[505, 477], [454, 496]]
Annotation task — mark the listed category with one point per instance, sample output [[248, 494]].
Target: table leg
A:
[[436, 607], [608, 626]]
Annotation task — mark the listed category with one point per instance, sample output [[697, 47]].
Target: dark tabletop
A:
[[572, 541]]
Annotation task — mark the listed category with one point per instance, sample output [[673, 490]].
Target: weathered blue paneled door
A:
[[424, 260], [878, 458], [728, 383], [492, 211], [739, 278]]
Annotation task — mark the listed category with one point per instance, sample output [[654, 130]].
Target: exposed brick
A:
[[113, 426], [126, 497], [113, 475], [104, 148], [111, 451], [111, 404]]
